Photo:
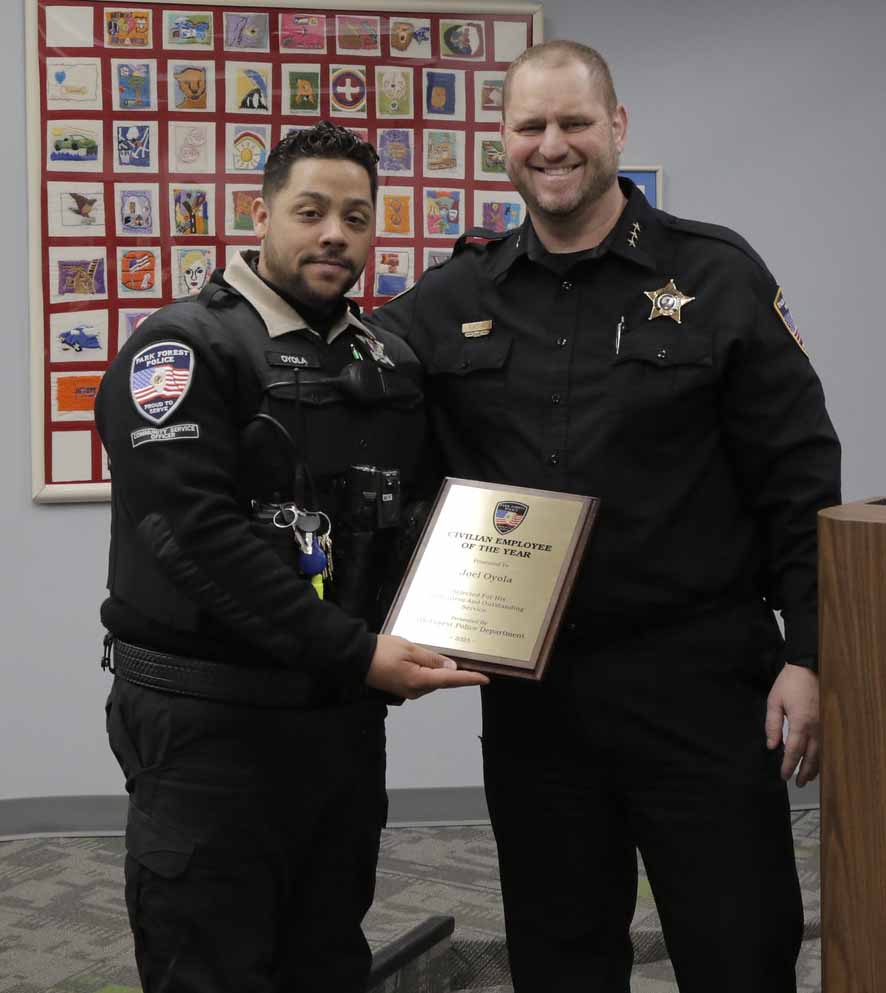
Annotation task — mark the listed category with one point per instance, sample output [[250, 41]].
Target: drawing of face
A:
[[401, 35], [192, 82], [194, 271]]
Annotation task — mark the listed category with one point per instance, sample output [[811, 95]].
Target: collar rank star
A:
[[667, 301]]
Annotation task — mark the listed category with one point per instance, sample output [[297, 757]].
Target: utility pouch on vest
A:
[[373, 497]]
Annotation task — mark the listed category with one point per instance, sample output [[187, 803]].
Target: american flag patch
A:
[[159, 379], [781, 308], [508, 516]]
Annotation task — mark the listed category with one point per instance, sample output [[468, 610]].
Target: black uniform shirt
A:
[[189, 573], [706, 439]]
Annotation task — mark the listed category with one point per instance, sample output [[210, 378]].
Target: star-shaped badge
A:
[[667, 301]]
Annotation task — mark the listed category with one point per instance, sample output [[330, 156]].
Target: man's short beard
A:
[[291, 285], [601, 183]]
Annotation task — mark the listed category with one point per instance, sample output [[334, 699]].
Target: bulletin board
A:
[[148, 128]]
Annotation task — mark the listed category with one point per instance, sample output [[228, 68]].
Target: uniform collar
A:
[[279, 316], [633, 237], [512, 248]]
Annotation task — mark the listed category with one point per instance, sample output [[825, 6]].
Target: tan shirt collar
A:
[[279, 317]]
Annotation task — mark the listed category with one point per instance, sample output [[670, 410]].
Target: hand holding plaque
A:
[[491, 575]]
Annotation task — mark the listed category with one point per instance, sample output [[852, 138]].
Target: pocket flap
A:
[[472, 355], [156, 844], [665, 350]]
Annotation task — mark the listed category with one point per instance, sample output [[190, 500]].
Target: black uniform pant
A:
[[651, 740], [252, 841]]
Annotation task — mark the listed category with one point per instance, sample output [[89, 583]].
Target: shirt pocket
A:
[[661, 377], [469, 378]]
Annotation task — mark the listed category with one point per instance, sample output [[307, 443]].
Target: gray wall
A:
[[767, 118]]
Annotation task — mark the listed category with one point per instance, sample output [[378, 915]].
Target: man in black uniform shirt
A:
[[611, 349], [261, 439]]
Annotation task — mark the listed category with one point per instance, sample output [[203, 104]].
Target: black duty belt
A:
[[212, 680]]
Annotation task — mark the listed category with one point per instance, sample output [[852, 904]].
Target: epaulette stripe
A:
[[715, 232]]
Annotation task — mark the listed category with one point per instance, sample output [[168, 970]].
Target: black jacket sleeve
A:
[[786, 457]]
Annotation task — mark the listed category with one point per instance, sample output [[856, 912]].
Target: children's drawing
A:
[[444, 217], [191, 268], [347, 90], [127, 27], [246, 32], [191, 210], [393, 89], [187, 29], [302, 32], [247, 147], [410, 38], [358, 34], [135, 147], [134, 85], [73, 85], [395, 151], [462, 40]]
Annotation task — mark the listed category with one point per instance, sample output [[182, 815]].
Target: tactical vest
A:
[[309, 419], [320, 413]]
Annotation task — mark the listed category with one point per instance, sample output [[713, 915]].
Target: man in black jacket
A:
[[610, 349], [261, 441]]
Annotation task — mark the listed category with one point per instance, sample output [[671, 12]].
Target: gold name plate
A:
[[491, 575]]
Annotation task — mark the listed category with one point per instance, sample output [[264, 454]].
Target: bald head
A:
[[553, 54]]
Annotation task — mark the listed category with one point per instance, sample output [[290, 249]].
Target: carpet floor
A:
[[63, 926]]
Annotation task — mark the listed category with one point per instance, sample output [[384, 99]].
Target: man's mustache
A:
[[334, 259]]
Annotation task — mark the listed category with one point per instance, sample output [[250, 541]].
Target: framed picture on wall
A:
[[649, 181], [149, 124]]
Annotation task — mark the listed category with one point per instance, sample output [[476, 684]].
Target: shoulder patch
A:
[[160, 377], [781, 308]]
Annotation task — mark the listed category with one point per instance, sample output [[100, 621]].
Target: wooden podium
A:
[[852, 619]]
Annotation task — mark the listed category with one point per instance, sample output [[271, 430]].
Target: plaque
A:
[[491, 575]]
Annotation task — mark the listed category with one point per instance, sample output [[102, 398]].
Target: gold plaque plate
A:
[[491, 574]]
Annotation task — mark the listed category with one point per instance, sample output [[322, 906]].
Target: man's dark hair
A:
[[323, 141]]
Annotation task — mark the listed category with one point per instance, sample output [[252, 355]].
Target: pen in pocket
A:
[[618, 331]]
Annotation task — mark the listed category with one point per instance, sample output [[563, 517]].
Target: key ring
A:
[[287, 508]]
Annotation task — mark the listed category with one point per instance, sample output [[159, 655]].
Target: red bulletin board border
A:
[[68, 462]]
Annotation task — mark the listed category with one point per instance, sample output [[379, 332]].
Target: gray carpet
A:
[[63, 924]]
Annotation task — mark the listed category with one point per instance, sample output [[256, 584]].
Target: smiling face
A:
[[562, 144], [316, 230]]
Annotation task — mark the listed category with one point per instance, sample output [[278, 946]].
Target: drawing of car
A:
[[80, 337], [185, 29], [76, 142]]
